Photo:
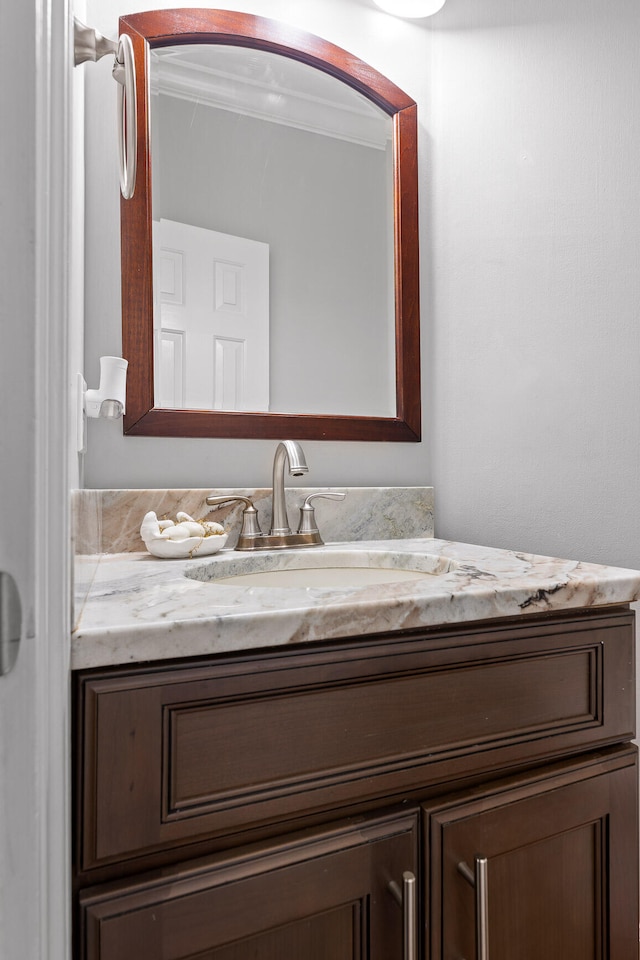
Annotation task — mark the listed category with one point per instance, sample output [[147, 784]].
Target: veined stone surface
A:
[[108, 521], [133, 607]]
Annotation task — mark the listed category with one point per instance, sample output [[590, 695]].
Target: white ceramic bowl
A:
[[184, 549]]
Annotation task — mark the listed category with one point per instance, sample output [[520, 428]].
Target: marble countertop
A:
[[132, 608]]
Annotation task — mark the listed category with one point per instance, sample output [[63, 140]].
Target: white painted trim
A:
[[52, 556]]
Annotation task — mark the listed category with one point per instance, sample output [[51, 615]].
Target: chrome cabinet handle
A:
[[479, 880], [124, 71], [407, 898]]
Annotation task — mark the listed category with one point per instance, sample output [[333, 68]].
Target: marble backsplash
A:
[[108, 521]]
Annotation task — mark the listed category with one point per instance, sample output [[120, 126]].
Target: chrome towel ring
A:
[[91, 45], [124, 72]]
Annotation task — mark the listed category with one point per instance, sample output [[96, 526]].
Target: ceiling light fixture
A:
[[412, 9]]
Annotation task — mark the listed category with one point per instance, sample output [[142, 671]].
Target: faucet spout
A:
[[292, 452]]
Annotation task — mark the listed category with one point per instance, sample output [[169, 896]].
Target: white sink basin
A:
[[337, 569]]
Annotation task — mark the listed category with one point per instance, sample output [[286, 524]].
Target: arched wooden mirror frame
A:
[[170, 27]]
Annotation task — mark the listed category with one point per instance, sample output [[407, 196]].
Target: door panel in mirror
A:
[[271, 135], [211, 290]]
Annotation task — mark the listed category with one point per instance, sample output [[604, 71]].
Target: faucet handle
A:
[[307, 512], [250, 527]]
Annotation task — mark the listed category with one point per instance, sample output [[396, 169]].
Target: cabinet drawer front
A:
[[175, 755], [325, 894]]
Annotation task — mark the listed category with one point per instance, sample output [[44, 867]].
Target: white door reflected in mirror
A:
[[211, 319]]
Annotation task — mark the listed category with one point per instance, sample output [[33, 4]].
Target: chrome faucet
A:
[[291, 451], [280, 535]]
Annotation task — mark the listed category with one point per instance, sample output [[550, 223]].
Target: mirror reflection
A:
[[273, 236]]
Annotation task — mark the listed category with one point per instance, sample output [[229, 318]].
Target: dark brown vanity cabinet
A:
[[279, 803]]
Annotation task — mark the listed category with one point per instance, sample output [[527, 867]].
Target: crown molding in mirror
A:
[[231, 91], [142, 418]]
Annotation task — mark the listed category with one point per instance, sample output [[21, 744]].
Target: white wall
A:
[[530, 229], [20, 891], [534, 367], [35, 815]]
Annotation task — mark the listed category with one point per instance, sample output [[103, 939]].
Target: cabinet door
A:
[[561, 876], [317, 896]]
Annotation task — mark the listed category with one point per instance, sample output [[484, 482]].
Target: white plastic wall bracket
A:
[[108, 401]]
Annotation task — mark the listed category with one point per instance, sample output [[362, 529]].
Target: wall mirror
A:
[[270, 249]]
